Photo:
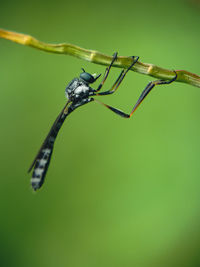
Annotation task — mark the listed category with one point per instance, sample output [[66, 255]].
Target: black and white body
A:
[[78, 93]]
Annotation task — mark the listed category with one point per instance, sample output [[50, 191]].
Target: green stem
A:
[[102, 59]]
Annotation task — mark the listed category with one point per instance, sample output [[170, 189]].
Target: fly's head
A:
[[79, 88], [88, 78]]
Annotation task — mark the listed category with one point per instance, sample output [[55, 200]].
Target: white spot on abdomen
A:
[[35, 180], [38, 171], [42, 162], [46, 151]]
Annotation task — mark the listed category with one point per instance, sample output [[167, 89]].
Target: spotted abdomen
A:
[[41, 162], [41, 166]]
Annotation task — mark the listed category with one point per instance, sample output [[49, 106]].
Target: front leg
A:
[[107, 72], [119, 79]]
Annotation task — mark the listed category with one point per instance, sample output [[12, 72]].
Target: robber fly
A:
[[79, 93]]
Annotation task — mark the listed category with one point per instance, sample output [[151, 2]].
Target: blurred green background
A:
[[118, 192]]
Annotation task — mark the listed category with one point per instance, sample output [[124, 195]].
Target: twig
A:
[[99, 58]]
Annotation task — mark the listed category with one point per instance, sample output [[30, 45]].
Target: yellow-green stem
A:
[[99, 58]]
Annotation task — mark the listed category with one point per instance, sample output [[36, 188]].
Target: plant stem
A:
[[102, 59]]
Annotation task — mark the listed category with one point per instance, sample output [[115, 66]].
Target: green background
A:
[[118, 192]]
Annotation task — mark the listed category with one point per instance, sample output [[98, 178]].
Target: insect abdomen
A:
[[41, 166]]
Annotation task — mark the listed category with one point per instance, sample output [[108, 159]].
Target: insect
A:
[[79, 93]]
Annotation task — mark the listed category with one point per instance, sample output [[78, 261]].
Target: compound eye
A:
[[87, 77]]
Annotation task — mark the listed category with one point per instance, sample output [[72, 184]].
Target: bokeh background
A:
[[118, 192]]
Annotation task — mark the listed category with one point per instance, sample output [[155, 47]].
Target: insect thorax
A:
[[77, 89]]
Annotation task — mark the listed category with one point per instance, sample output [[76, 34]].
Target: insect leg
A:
[[119, 79], [146, 91], [107, 72]]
